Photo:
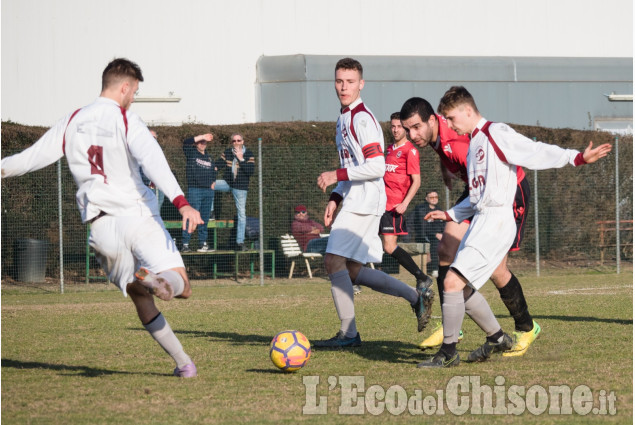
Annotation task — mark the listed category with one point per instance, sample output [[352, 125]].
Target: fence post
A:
[[617, 202], [59, 214], [261, 238], [536, 223]]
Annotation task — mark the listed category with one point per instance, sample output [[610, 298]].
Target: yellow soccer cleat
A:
[[522, 341], [436, 339]]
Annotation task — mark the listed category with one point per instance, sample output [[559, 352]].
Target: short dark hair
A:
[[416, 105], [119, 69], [455, 96], [395, 116], [350, 63]]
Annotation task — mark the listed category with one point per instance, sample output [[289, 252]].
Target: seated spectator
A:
[[307, 232]]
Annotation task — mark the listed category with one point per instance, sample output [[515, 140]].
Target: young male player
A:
[[425, 128], [105, 146], [353, 240], [402, 180], [495, 152]]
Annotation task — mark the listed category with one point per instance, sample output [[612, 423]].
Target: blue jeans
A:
[[240, 198], [200, 198], [317, 245]]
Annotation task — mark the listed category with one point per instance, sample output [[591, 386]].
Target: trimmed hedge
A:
[[293, 155]]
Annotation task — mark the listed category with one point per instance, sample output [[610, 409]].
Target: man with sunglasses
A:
[[240, 164]]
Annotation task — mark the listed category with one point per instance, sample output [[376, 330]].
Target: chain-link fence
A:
[[579, 218]]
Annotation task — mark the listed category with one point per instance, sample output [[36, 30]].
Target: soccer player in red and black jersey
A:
[[402, 180]]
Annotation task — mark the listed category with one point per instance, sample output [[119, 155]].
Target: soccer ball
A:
[[290, 350]]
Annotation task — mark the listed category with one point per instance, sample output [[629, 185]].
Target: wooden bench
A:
[[213, 225], [226, 224], [609, 226]]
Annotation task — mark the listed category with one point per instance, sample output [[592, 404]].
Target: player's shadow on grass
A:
[[576, 319], [233, 337], [385, 351], [86, 371]]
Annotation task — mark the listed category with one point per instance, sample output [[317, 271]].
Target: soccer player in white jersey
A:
[[106, 146], [495, 152], [353, 240]]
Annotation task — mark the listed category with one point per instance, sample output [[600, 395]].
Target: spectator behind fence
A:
[[105, 146], [307, 232], [429, 231], [239, 167], [201, 176]]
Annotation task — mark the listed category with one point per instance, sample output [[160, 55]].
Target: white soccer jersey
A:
[[495, 151], [104, 145], [360, 144]]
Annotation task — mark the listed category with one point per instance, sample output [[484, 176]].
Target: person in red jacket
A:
[[307, 231]]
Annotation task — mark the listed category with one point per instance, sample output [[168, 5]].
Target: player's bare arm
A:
[[412, 191], [591, 155], [437, 215], [329, 213], [194, 217], [326, 179]]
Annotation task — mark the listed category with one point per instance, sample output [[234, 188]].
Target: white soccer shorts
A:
[[485, 244], [124, 244], [356, 237]]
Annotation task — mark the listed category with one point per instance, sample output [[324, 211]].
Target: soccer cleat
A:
[[156, 285], [242, 247], [203, 248], [423, 306], [357, 289], [522, 341], [339, 341], [424, 283], [187, 371], [441, 360], [484, 352], [436, 339], [186, 248]]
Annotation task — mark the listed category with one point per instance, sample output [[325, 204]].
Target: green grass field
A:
[[83, 357]]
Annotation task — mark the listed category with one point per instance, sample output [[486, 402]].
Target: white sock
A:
[[162, 333], [175, 280]]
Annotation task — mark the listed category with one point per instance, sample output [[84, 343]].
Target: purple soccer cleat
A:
[[187, 371]]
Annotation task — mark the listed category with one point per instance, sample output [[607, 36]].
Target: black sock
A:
[[514, 299], [448, 349], [496, 337], [406, 260], [443, 270]]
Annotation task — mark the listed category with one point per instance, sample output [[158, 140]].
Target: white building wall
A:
[[205, 51]]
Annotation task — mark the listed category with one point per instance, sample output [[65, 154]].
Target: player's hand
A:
[[437, 215], [329, 213], [401, 208], [191, 218], [326, 179], [591, 155]]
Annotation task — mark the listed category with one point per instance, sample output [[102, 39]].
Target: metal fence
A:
[[579, 218]]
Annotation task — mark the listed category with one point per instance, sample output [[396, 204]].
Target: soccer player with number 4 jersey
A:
[[106, 146]]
